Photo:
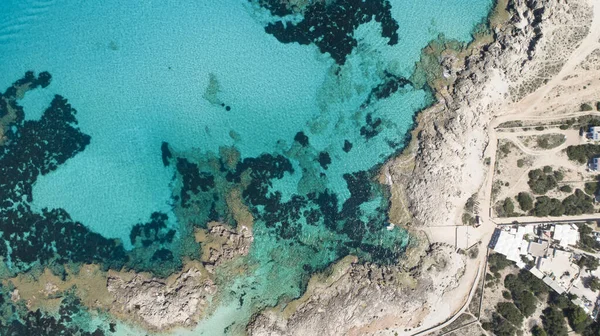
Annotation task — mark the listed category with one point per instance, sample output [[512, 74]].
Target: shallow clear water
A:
[[201, 75]]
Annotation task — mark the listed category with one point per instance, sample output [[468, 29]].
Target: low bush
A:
[[586, 107], [566, 188]]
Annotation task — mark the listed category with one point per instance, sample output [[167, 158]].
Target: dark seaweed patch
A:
[[330, 26], [154, 231], [165, 153], [324, 159], [35, 323], [193, 180], [347, 146], [301, 138], [371, 129]]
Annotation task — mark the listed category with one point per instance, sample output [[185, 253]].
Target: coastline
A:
[[429, 284], [444, 165]]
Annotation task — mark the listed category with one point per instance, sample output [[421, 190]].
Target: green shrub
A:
[[594, 283], [554, 322], [591, 188], [520, 163], [578, 318], [589, 262], [506, 295], [586, 107], [510, 313], [578, 203], [525, 201], [598, 106], [509, 207], [583, 153], [541, 182], [538, 331], [540, 128], [547, 170], [546, 206], [498, 262], [558, 175], [566, 188], [562, 127]]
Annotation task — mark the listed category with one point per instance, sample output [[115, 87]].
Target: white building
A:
[[511, 243], [594, 133], [567, 234]]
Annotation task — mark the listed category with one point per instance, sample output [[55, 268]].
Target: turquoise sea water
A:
[[202, 75]]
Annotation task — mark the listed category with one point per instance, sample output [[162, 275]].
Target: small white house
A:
[[594, 133]]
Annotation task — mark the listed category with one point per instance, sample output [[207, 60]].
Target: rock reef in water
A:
[[160, 304]]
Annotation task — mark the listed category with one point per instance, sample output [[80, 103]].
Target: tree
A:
[[583, 153], [578, 319], [498, 262], [526, 302], [559, 301], [591, 188], [499, 326], [525, 201], [554, 322], [589, 262], [510, 313], [534, 284], [546, 206], [509, 207], [541, 181], [538, 331], [594, 283]]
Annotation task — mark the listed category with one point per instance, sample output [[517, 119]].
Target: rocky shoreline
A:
[[432, 179]]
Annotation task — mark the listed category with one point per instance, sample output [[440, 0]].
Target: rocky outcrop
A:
[[233, 244], [449, 163], [159, 303], [361, 299]]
